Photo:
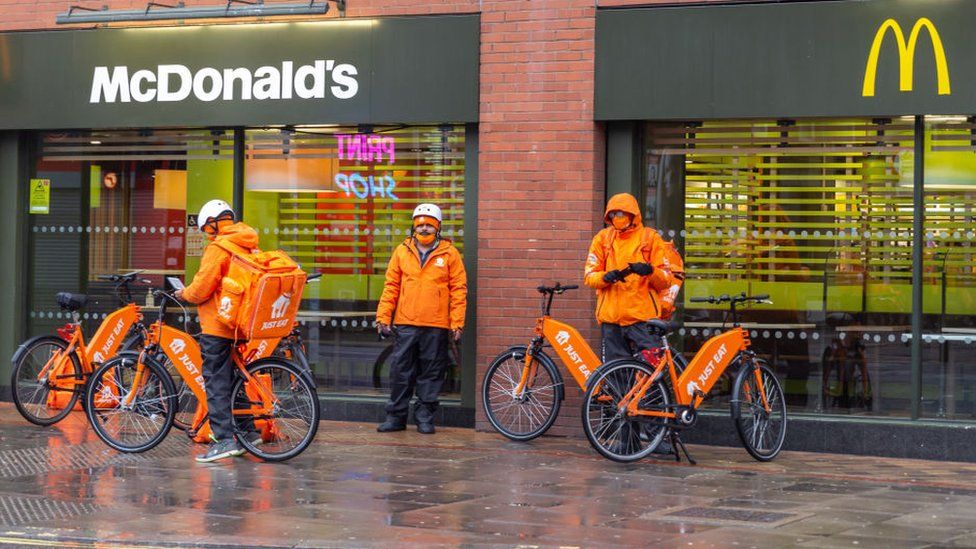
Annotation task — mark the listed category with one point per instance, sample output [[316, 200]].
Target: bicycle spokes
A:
[[521, 400], [131, 403], [761, 416]]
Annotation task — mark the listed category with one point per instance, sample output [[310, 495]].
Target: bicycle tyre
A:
[[378, 365], [285, 378], [603, 393], [497, 395], [28, 399], [157, 406], [748, 415]]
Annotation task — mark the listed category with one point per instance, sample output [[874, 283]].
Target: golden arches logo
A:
[[906, 56]]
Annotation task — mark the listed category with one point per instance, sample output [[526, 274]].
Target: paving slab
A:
[[61, 486]]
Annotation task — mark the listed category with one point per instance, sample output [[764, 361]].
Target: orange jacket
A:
[[213, 266], [434, 294], [636, 298]]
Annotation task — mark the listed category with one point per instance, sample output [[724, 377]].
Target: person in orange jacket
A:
[[427, 288], [217, 222], [627, 268]]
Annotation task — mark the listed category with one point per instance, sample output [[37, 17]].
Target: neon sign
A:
[[367, 147], [380, 186]]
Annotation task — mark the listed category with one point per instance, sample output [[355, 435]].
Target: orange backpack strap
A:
[[647, 244], [231, 248]]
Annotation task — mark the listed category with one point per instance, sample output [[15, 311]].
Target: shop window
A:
[[118, 203], [339, 199], [949, 282], [816, 213]]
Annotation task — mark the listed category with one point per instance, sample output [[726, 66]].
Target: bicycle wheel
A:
[[142, 422], [381, 370], [530, 414], [45, 401], [610, 431], [290, 426], [761, 432], [186, 400]]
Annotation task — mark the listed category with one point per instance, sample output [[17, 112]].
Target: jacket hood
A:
[[240, 234], [626, 203]]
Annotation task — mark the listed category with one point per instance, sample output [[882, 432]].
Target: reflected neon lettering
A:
[[361, 187], [366, 148]]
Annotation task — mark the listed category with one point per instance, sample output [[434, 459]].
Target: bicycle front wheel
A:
[[526, 414], [186, 402], [46, 400], [613, 433], [130, 405], [761, 431], [279, 419]]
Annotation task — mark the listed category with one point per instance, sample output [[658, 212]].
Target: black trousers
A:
[[417, 366], [623, 341], [218, 377]]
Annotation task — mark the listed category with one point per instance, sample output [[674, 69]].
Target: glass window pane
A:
[[949, 330], [119, 203], [338, 200], [816, 213]]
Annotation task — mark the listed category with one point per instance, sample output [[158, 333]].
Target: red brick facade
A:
[[541, 159]]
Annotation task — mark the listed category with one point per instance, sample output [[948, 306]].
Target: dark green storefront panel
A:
[[782, 59], [406, 69]]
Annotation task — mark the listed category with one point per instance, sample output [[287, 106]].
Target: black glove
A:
[[642, 269], [612, 276]]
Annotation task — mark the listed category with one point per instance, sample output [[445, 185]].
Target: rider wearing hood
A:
[[626, 267]]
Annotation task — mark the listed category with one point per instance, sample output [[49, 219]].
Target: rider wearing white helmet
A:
[[427, 288], [217, 221]]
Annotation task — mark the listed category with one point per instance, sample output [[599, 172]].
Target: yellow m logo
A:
[[906, 56]]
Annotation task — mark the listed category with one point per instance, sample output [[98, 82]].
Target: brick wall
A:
[[541, 172]]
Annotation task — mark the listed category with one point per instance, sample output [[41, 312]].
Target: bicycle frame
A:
[[576, 354], [698, 378], [184, 352], [103, 345]]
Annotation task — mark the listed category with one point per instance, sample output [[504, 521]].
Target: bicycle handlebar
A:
[[557, 289], [726, 298]]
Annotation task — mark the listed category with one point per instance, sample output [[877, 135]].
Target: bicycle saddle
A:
[[71, 302], [659, 327]]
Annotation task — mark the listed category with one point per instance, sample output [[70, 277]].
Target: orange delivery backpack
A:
[[259, 296], [674, 263]]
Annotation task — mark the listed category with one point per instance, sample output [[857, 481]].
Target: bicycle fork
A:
[[529, 370]]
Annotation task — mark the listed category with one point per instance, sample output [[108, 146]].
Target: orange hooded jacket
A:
[[636, 298], [433, 295], [213, 266]]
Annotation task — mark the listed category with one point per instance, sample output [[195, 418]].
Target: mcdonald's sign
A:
[[906, 56]]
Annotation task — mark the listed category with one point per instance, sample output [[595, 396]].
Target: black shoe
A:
[[392, 424], [425, 428]]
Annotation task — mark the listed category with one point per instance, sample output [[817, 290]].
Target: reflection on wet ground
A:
[[62, 487]]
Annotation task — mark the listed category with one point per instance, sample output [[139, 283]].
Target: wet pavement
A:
[[354, 487]]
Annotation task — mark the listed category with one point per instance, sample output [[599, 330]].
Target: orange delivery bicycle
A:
[[132, 401], [630, 406], [523, 389], [49, 372]]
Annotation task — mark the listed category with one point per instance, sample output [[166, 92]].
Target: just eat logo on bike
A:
[[178, 346], [562, 339], [707, 373], [106, 349]]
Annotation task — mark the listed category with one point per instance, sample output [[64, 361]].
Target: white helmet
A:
[[430, 210], [212, 210]]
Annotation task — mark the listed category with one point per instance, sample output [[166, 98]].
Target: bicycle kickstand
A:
[[677, 445]]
